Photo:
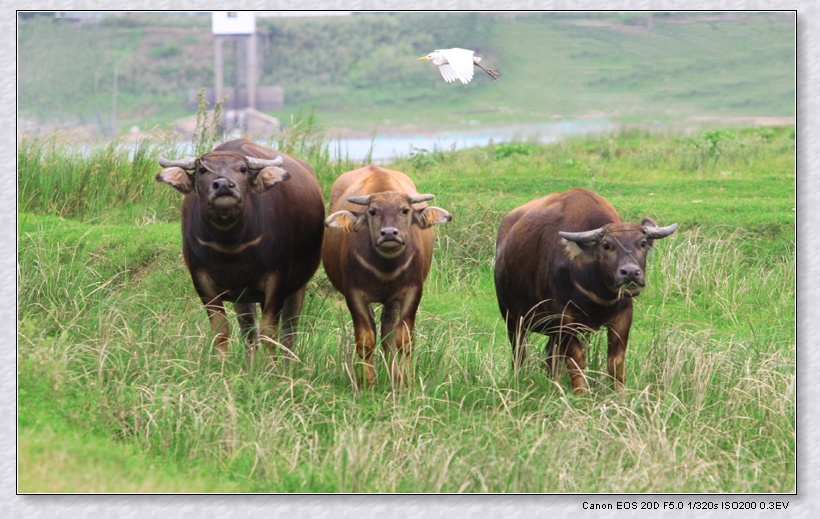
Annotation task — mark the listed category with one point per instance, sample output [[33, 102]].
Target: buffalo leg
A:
[[212, 301], [397, 326], [290, 321], [271, 310], [269, 329], [401, 356], [618, 335], [220, 328], [246, 315], [576, 363], [364, 327]]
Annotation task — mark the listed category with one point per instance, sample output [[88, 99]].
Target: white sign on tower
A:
[[233, 22]]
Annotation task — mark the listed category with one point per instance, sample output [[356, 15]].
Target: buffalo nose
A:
[[631, 273], [222, 184], [389, 231]]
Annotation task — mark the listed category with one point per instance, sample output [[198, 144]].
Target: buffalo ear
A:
[[348, 221], [579, 251], [177, 178], [649, 222], [430, 216], [267, 178], [572, 249]]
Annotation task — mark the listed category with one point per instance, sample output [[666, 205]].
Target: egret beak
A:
[[424, 57]]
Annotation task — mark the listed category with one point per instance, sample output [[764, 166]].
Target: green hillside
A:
[[361, 71]]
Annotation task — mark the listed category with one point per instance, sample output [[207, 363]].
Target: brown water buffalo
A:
[[378, 249], [252, 226], [566, 264]]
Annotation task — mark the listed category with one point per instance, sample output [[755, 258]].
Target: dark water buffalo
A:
[[252, 226], [378, 249], [567, 264]]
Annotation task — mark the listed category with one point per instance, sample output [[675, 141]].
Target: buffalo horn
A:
[[359, 200], [583, 237], [256, 163], [186, 163], [655, 233], [416, 199]]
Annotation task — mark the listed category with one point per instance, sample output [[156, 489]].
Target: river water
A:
[[385, 148]]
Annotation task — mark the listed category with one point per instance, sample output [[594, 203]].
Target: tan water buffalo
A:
[[378, 249]]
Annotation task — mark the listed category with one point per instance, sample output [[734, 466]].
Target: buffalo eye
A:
[[405, 211], [643, 244], [371, 212], [606, 246], [202, 170], [243, 169]]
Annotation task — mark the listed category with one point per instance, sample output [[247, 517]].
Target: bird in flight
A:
[[457, 64]]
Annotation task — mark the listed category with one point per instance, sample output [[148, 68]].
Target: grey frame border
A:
[[805, 504]]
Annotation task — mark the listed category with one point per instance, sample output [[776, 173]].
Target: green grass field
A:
[[118, 390]]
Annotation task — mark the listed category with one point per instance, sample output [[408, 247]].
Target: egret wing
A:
[[461, 61], [448, 73]]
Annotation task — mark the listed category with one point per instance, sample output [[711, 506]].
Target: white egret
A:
[[457, 64]]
